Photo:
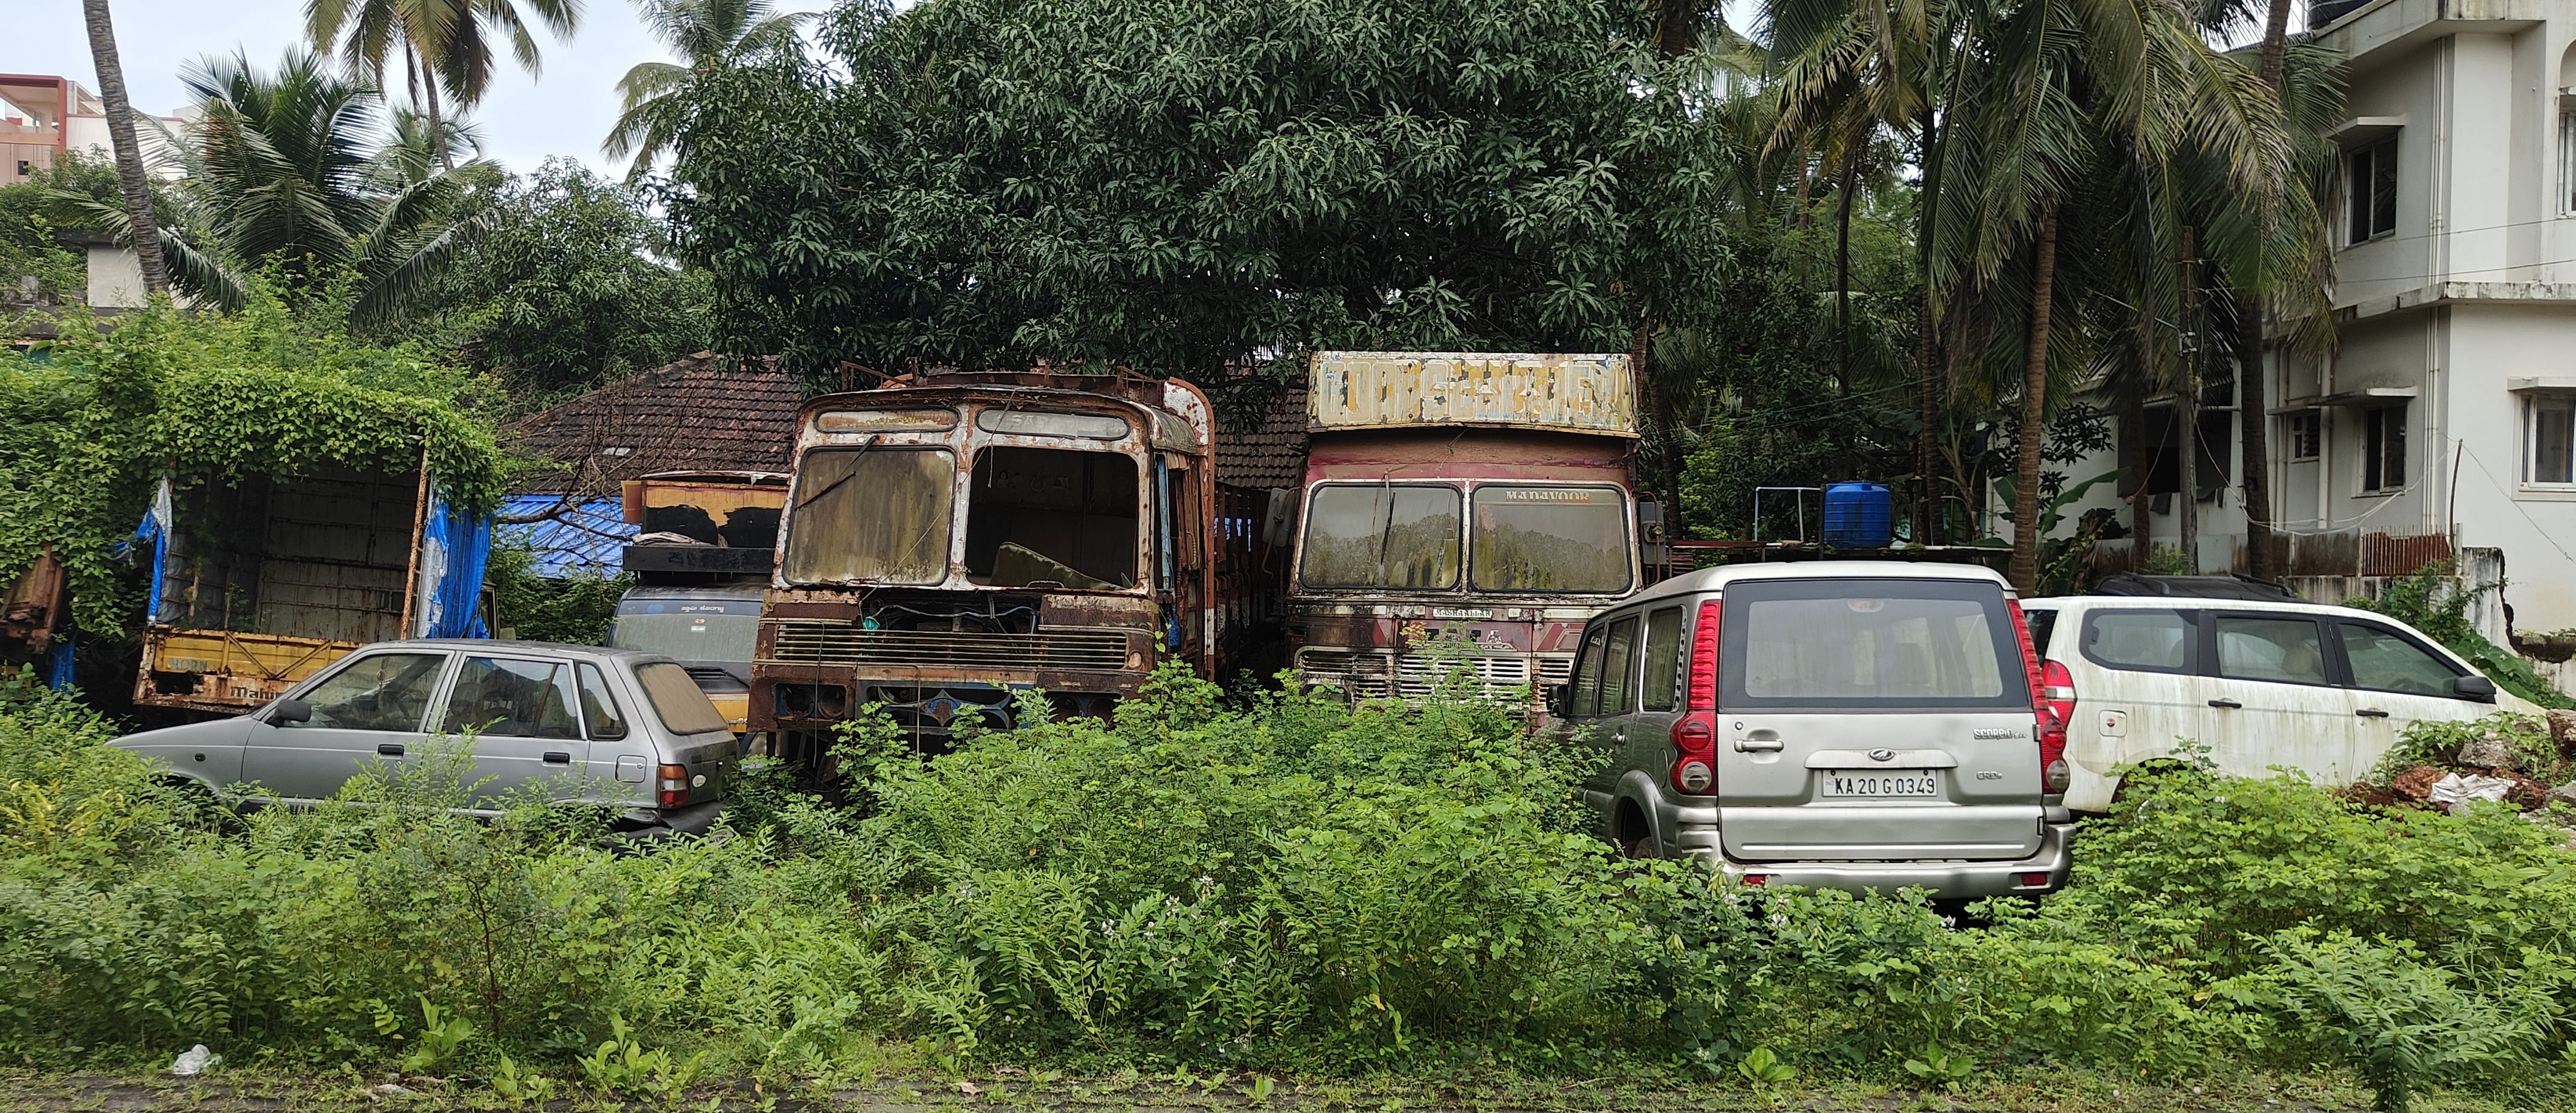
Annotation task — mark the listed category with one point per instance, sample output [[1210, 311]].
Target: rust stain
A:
[[1378, 390]]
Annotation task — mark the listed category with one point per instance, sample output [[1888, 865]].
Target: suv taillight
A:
[[674, 786], [2052, 704], [1695, 733], [2057, 701]]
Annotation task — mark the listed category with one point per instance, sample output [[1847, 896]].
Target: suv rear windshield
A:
[[1869, 644]]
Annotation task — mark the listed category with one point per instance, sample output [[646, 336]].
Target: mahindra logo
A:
[[1882, 755]]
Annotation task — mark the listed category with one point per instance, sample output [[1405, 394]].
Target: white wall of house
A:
[[115, 278], [2457, 318]]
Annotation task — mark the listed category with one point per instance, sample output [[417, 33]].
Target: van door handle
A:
[[2226, 703], [2371, 713], [389, 749], [558, 757], [1619, 735], [1765, 739]]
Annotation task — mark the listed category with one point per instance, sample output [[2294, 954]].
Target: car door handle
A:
[[558, 757], [1619, 735], [2371, 713], [389, 749], [2226, 703], [1758, 740]]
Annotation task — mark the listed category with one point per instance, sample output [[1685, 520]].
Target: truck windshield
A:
[[1551, 539], [878, 514], [1051, 517], [688, 637], [1382, 535]]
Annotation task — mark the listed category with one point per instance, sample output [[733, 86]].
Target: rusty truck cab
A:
[[953, 540], [1461, 511]]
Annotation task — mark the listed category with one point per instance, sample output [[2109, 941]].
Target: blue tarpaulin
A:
[[454, 548], [571, 538]]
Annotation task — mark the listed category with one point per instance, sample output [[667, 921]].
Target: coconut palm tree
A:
[[294, 170], [129, 156], [707, 35], [446, 46]]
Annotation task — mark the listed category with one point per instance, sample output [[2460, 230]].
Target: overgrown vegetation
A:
[[572, 610], [89, 423], [1286, 883]]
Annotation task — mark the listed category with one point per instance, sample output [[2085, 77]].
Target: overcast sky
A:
[[566, 111]]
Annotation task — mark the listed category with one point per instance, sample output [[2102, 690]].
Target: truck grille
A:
[[809, 642], [1409, 675]]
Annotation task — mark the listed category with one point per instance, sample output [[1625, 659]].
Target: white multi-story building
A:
[[2446, 418]]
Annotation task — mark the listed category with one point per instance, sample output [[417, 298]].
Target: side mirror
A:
[[1556, 701], [289, 710], [2478, 688]]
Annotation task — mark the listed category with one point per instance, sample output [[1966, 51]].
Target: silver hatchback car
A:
[[1845, 725], [622, 729]]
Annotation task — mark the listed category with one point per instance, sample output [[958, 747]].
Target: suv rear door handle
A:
[[389, 749], [2371, 713], [1758, 740], [2226, 703]]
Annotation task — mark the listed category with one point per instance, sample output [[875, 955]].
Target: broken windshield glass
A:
[[871, 514], [1386, 535], [1050, 517]]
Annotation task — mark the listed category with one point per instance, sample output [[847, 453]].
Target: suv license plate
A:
[[1905, 784]]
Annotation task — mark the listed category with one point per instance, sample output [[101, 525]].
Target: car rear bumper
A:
[[1947, 879]]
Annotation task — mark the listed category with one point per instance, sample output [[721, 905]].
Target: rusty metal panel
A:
[[218, 670], [2389, 554], [1381, 390]]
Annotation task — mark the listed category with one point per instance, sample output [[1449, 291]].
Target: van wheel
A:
[[1636, 836], [2149, 771]]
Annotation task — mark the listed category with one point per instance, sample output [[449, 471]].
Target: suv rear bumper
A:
[[1947, 879]]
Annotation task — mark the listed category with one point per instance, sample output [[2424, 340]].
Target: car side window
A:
[[2383, 661], [599, 706], [2286, 650], [1663, 659], [1619, 668], [2141, 641], [499, 697], [1586, 701], [382, 691]]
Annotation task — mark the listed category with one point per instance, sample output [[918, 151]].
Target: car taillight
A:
[[1695, 733], [675, 786], [2052, 705]]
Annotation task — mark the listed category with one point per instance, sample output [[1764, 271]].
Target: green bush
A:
[[1282, 882]]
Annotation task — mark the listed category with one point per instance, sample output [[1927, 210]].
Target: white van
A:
[[2262, 683]]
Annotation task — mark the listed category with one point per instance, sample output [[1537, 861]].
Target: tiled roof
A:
[[701, 413], [1261, 437]]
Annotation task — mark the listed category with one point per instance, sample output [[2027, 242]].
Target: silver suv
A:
[[599, 726], [1846, 725]]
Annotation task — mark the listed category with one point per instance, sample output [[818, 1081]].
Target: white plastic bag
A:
[[2451, 793], [192, 1062]]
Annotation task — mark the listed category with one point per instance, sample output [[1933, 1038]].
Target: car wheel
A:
[[1637, 837]]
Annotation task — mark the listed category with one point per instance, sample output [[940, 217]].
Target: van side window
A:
[[2141, 641], [1663, 659], [2383, 661], [2286, 650], [1587, 676], [1619, 668]]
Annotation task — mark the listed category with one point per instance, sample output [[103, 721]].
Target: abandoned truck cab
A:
[[1481, 500], [952, 540]]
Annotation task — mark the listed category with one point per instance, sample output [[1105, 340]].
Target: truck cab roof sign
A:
[[1387, 390]]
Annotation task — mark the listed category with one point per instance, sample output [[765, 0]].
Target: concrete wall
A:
[[115, 278]]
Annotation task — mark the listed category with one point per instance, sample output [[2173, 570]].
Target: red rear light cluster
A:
[[2052, 706], [1695, 733], [674, 786]]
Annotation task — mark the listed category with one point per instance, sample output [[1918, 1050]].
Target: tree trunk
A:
[[1842, 275], [2034, 412], [1924, 374], [437, 129], [2253, 388], [2143, 458], [2187, 418], [130, 180]]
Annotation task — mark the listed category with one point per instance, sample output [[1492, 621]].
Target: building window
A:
[[2370, 191], [2567, 164], [2383, 448], [2553, 439], [2307, 434]]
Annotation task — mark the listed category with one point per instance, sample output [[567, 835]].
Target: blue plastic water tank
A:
[[1858, 516]]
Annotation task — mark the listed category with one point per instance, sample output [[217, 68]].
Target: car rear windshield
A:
[[1870, 644], [678, 701]]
